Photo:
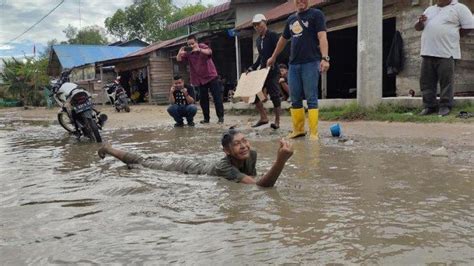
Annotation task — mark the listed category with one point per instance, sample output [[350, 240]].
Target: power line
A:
[[32, 26], [80, 20], [80, 16]]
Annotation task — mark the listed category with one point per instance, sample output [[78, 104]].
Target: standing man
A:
[[442, 24], [203, 75], [309, 57], [182, 102], [266, 43]]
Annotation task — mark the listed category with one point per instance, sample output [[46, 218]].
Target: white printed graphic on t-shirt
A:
[[297, 29]]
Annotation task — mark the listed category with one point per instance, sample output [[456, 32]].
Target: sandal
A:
[[260, 123], [274, 126], [465, 115]]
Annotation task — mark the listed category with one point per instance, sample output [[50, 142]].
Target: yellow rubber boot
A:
[[297, 117], [313, 119]]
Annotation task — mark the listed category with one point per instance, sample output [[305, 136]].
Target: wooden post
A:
[[237, 57], [104, 94], [150, 95]]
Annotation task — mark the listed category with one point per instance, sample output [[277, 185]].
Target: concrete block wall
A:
[[409, 78]]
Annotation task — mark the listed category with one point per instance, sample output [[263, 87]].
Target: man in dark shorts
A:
[[266, 43], [238, 165]]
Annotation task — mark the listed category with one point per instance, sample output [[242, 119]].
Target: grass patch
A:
[[383, 112], [392, 113]]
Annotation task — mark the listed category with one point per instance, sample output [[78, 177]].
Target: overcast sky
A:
[[18, 15]]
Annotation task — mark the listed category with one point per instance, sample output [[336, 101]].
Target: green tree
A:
[[24, 79], [87, 35], [116, 25], [147, 20]]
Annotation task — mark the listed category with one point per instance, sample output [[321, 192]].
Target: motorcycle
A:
[[117, 95], [77, 114]]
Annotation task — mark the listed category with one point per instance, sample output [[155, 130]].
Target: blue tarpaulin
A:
[[77, 55]]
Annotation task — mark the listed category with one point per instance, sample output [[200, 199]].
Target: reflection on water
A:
[[333, 204]]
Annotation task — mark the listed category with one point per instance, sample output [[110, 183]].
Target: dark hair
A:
[[177, 77], [228, 137], [282, 66], [192, 37]]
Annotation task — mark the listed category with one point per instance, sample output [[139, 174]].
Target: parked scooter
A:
[[77, 114], [117, 95]]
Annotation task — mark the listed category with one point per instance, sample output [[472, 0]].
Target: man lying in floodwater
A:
[[238, 165]]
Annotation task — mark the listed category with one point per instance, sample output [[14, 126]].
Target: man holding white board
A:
[[266, 43]]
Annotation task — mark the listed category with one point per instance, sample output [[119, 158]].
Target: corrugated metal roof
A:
[[279, 12], [77, 55], [200, 16], [155, 46], [181, 40]]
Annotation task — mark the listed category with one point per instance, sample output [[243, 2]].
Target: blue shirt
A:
[[304, 38]]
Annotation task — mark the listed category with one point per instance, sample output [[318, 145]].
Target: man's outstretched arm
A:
[[268, 180]]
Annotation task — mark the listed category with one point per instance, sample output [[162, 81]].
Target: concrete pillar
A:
[[369, 52]]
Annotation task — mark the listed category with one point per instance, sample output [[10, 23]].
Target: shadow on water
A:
[[332, 204]]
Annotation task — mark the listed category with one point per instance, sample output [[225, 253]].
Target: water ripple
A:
[[332, 205]]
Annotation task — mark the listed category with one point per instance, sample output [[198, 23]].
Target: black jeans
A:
[[434, 70], [216, 91]]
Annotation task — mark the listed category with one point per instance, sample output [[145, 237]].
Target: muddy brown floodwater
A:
[[366, 202]]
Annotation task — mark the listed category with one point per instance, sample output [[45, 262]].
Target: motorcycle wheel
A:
[[126, 107], [91, 130], [66, 122]]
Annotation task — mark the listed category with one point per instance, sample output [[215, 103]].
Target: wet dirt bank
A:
[[456, 138], [375, 197]]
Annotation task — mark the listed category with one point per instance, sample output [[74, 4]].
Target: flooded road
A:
[[334, 203]]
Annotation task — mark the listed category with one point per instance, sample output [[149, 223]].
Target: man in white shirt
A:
[[442, 24]]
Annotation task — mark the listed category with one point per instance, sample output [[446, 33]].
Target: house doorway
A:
[[342, 77]]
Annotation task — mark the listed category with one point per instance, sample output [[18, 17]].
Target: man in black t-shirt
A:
[[309, 56], [182, 102], [266, 43]]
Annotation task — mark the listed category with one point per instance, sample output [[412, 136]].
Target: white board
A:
[[250, 85]]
